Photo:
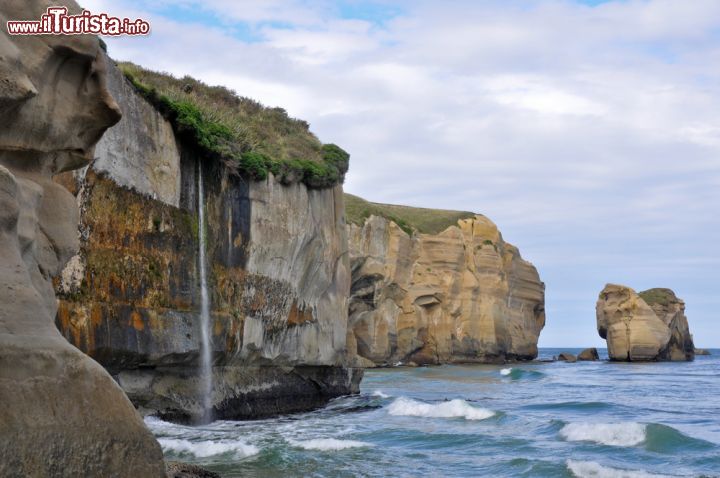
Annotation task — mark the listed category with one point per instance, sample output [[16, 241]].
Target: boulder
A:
[[590, 354], [567, 357], [61, 414], [648, 326]]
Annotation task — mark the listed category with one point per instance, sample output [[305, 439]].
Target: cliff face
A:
[[278, 277], [647, 326], [461, 295], [61, 413]]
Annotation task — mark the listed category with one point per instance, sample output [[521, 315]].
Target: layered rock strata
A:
[[461, 295], [62, 414], [648, 326], [278, 273]]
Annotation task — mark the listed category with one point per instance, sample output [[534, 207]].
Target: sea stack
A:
[[649, 326]]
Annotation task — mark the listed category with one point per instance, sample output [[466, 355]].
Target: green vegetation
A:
[[249, 138], [426, 221], [658, 296]]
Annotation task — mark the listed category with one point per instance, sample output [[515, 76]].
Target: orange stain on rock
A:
[[137, 321], [298, 315]]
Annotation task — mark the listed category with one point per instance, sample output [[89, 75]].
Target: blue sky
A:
[[587, 130]]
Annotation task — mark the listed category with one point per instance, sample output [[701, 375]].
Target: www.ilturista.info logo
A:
[[56, 21]]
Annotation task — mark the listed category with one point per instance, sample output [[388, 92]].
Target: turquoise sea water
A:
[[588, 419]]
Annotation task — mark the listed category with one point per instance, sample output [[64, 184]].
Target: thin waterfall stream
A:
[[205, 346]]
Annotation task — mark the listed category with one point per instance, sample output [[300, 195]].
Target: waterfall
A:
[[206, 380]]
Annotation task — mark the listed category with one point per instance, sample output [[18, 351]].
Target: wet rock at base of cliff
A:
[[646, 326], [567, 357], [176, 469], [589, 355], [61, 414], [240, 392]]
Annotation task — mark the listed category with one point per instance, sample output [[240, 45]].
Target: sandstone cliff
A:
[[647, 326], [61, 414], [278, 274], [458, 294]]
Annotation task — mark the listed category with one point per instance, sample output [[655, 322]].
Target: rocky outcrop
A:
[[62, 414], [589, 355], [567, 357], [279, 277], [460, 295], [702, 352], [648, 326], [186, 470]]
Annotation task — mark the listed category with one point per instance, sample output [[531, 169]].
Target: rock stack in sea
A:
[[645, 326], [436, 286]]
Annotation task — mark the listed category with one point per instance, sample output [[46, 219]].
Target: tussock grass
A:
[[252, 139], [426, 221], [658, 296]]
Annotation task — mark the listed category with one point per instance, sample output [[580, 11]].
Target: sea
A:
[[536, 419]]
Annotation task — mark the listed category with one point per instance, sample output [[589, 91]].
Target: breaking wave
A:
[[204, 449], [451, 409], [613, 434], [591, 469], [329, 444]]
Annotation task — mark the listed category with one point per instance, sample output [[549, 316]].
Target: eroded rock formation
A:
[[647, 326], [589, 355], [279, 277], [462, 295], [61, 414]]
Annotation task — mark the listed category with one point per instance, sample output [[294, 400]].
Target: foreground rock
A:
[[589, 355], [176, 469], [61, 414], [457, 294], [648, 326], [278, 271]]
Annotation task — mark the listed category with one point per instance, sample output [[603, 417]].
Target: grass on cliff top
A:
[[252, 139], [658, 296], [426, 221]]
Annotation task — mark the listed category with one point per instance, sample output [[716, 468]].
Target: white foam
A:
[[591, 469], [506, 371], [379, 393], [329, 444], [614, 434], [452, 409], [202, 449]]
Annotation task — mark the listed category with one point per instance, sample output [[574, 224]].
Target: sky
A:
[[588, 131]]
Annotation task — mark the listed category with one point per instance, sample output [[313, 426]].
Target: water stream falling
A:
[[205, 358]]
